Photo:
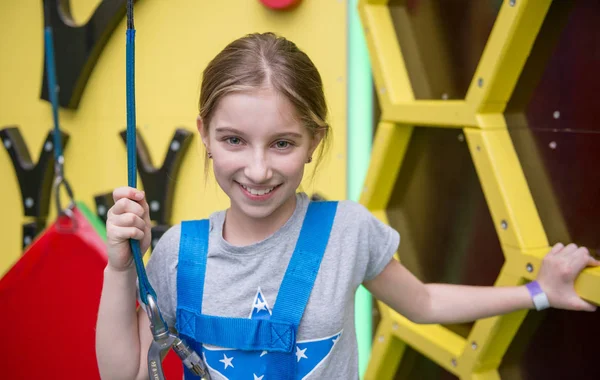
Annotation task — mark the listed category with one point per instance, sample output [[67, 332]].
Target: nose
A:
[[258, 170]]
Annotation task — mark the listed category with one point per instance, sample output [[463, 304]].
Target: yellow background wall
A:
[[174, 42]]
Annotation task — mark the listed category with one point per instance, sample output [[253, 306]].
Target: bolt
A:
[[529, 267], [102, 210], [154, 205], [27, 240], [29, 202], [556, 115], [552, 145], [504, 224], [474, 345], [7, 144], [48, 146], [175, 146], [512, 3]]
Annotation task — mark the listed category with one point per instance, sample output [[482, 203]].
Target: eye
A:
[[233, 140], [282, 144]]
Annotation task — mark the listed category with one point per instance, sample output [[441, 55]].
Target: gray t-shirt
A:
[[243, 282]]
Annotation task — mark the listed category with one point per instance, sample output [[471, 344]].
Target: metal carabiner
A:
[[163, 341], [59, 180]]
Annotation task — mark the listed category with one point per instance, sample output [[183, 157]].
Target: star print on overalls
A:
[[235, 364]]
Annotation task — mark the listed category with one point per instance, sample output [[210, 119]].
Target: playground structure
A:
[[484, 151]]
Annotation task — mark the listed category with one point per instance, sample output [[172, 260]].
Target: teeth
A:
[[258, 192]]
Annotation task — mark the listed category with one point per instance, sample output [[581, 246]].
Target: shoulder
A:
[[350, 212]]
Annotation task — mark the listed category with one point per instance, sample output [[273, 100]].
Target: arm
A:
[[443, 303], [122, 335]]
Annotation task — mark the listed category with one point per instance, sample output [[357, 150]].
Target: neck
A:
[[240, 229]]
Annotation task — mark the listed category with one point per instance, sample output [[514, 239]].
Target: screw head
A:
[[154, 206], [175, 145], [154, 242], [529, 267], [445, 96], [381, 338], [29, 202], [7, 144], [27, 240], [552, 145], [394, 326], [102, 210], [461, 137], [474, 345], [504, 224], [512, 3], [556, 115], [453, 362], [478, 148], [48, 146], [480, 82]]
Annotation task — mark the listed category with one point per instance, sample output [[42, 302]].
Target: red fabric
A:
[[280, 4], [49, 303]]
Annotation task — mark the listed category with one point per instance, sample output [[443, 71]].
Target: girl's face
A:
[[259, 150]]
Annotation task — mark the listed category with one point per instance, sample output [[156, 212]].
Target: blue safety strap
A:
[[52, 86], [276, 335]]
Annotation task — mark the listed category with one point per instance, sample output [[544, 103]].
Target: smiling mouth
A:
[[258, 192]]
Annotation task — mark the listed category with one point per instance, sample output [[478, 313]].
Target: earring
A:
[[309, 160], [209, 155]]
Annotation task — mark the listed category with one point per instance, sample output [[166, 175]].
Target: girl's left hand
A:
[[558, 272]]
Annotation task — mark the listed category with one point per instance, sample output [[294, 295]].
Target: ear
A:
[[318, 136], [203, 132]]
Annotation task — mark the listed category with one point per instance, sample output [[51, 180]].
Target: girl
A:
[[262, 118]]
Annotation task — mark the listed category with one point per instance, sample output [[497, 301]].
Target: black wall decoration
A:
[[77, 47]]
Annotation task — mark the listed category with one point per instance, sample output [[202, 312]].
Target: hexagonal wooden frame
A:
[[514, 214]]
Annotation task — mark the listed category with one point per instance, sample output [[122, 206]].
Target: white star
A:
[[258, 378], [227, 361], [300, 353], [263, 353], [260, 306]]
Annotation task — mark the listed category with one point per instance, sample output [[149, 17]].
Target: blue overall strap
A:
[[299, 280]]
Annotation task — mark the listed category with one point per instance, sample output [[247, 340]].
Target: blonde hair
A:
[[265, 59]]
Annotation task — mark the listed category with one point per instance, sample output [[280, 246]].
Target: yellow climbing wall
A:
[[174, 42], [480, 116]]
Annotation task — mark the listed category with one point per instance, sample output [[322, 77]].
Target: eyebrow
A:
[[237, 132]]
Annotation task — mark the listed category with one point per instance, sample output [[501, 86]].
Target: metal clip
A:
[[163, 341], [61, 180]]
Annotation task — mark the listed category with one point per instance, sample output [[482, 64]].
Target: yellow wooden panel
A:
[[511, 205], [505, 53], [389, 148], [441, 113]]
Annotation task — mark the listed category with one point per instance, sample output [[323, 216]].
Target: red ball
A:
[[280, 5]]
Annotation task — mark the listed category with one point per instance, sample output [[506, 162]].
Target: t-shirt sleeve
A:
[[375, 241], [161, 270]]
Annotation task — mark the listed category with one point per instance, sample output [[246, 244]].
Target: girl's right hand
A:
[[129, 218]]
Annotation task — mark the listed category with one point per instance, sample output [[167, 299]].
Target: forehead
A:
[[257, 111]]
